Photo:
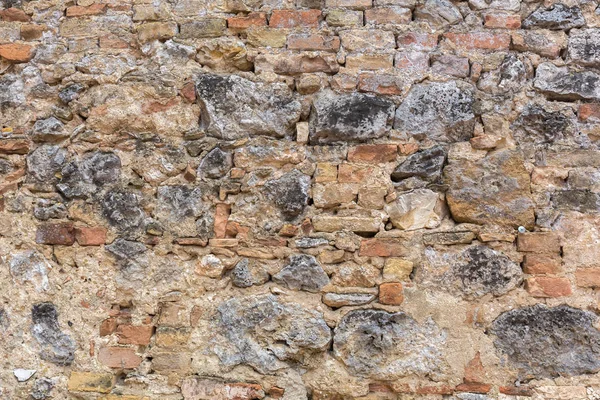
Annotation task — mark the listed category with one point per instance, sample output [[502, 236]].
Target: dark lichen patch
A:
[[540, 126], [542, 342], [289, 193], [81, 179], [56, 346], [556, 17], [426, 164], [122, 209]]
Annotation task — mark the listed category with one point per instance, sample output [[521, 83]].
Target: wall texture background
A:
[[299, 199]]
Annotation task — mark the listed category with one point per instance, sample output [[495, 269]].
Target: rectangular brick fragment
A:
[[589, 112], [13, 14], [545, 43], [383, 247], [341, 17], [79, 11], [502, 21], [32, 31], [412, 61], [135, 334], [352, 4], [369, 62], [313, 42], [119, 357], [545, 286], [373, 153], [171, 362], [538, 242], [80, 381], [588, 277], [156, 31], [391, 293], [14, 146], [244, 22], [354, 173], [203, 28], [62, 233], [388, 15], [332, 223], [16, 52], [295, 64], [481, 388], [295, 18], [516, 390], [534, 263], [367, 40], [90, 236], [417, 41], [480, 40], [386, 84]]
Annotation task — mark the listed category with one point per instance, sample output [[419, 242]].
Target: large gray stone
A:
[[425, 164], [264, 333], [216, 164], [289, 193], [178, 207], [556, 17], [303, 272], [544, 342], [438, 111], [45, 162], [584, 47], [56, 346], [122, 209], [381, 345], [560, 83], [536, 125], [85, 177], [234, 107], [47, 130], [352, 117], [580, 200]]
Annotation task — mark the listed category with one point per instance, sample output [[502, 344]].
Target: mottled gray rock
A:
[[548, 342], [507, 5], [289, 193], [126, 249], [513, 73], [83, 178], [4, 320], [47, 130], [30, 266], [246, 274], [579, 200], [560, 83], [122, 209], [493, 190], [438, 12], [71, 92], [264, 333], [584, 47], [438, 111], [303, 272], [234, 107], [46, 209], [472, 272], [178, 207], [337, 300], [556, 17], [308, 242], [45, 162], [216, 164], [381, 345], [352, 117], [56, 346], [536, 125], [425, 164], [41, 388]]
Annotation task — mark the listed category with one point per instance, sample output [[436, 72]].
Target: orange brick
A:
[[13, 15], [480, 40], [294, 18], [353, 173], [61, 233], [119, 357], [417, 41], [112, 42], [588, 277], [373, 153], [534, 263], [80, 11], [502, 21], [590, 111], [135, 334], [90, 236], [108, 326], [391, 294], [375, 82], [538, 242], [313, 42], [388, 15], [245, 22], [543, 286], [481, 388], [15, 52], [222, 212], [382, 247], [443, 389], [516, 390]]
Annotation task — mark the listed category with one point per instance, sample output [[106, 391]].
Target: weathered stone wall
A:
[[299, 199]]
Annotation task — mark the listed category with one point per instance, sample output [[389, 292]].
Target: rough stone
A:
[[47, 130], [216, 164], [560, 83], [437, 111], [584, 47], [418, 209], [45, 162], [122, 209], [337, 300], [289, 193], [234, 107], [30, 266], [178, 207], [425, 164], [539, 126], [349, 118], [303, 272], [41, 388], [438, 13], [558, 16], [570, 341], [81, 179], [246, 274], [56, 346]]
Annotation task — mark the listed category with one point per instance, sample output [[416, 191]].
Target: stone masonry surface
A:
[[300, 199]]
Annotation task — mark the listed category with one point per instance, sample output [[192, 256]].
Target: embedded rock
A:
[[264, 333], [122, 209], [493, 190], [337, 300], [45, 162], [47, 130], [353, 117], [380, 345], [580, 200], [560, 83], [556, 17], [178, 207], [216, 164], [536, 125], [246, 274], [81, 179], [48, 209], [438, 13], [303, 272], [584, 47], [30, 266], [234, 107], [56, 346], [425, 164], [437, 111], [126, 249], [418, 209], [548, 342], [41, 388], [289, 193]]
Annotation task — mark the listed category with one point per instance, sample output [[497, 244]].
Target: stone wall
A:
[[299, 199]]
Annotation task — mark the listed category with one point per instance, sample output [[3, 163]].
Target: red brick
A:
[[251, 20], [481, 388], [588, 277], [90, 236], [502, 21], [108, 326], [412, 61], [388, 15], [383, 247], [135, 334], [544, 286], [534, 263], [313, 42], [373, 153], [391, 294], [79, 11], [385, 84], [294, 18], [61, 233], [119, 357], [417, 41], [474, 371], [353, 173], [222, 212], [15, 52], [443, 389], [516, 390], [480, 40], [14, 15], [538, 242], [590, 111]]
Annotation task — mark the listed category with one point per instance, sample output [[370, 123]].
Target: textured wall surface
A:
[[299, 199]]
